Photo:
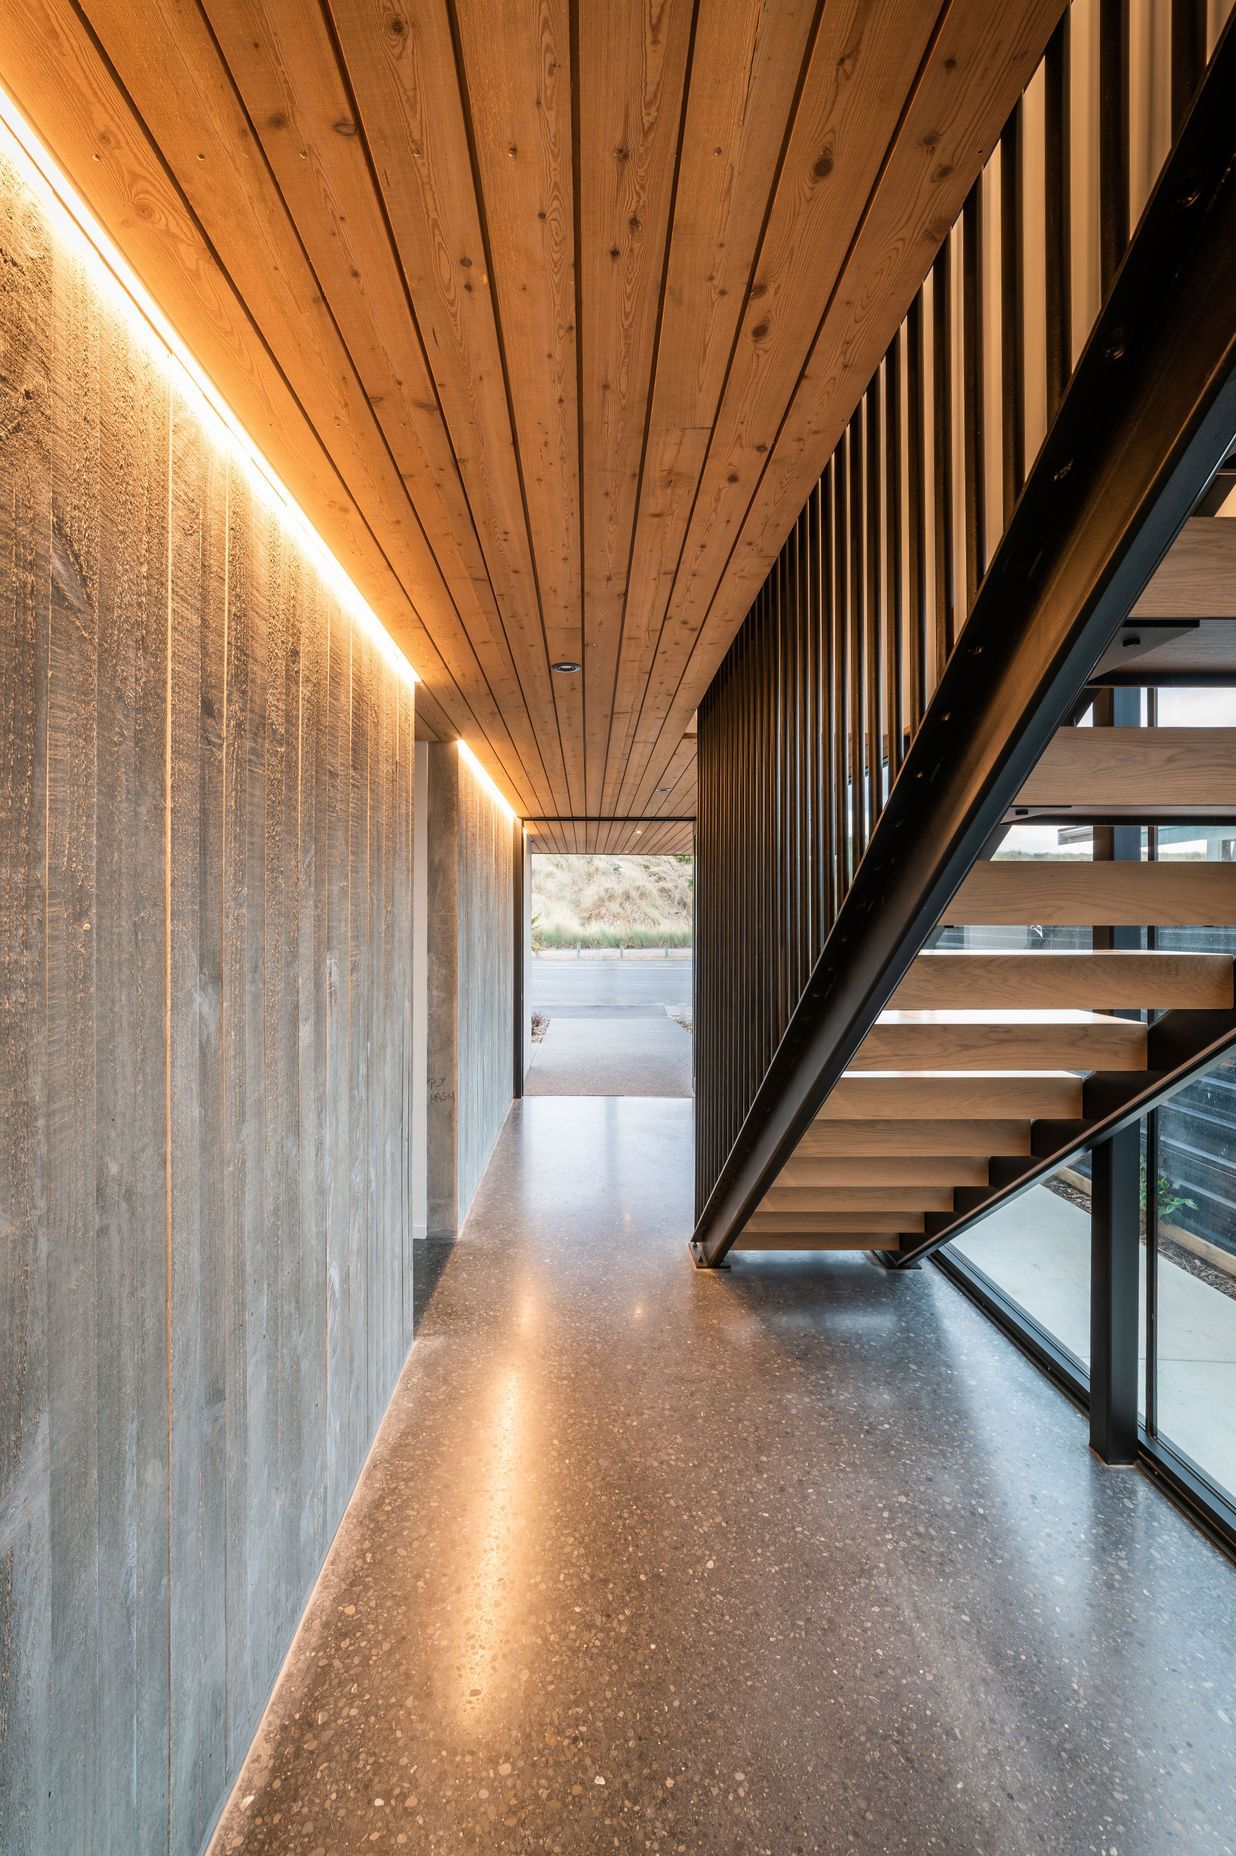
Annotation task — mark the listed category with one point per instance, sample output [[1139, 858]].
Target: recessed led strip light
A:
[[465, 753], [72, 219]]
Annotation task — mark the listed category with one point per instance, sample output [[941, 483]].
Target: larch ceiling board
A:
[[416, 327], [516, 63], [548, 312], [675, 797], [78, 104], [862, 62], [652, 838], [746, 69], [631, 66], [980, 60], [290, 258], [401, 66]]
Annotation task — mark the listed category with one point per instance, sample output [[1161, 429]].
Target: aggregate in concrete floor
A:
[[801, 1558], [637, 1054]]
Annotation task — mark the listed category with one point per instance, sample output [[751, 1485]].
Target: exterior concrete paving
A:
[[561, 987], [1038, 1249], [800, 1558], [635, 1054]]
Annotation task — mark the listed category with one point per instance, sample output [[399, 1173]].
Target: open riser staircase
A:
[[901, 1087], [991, 1069]]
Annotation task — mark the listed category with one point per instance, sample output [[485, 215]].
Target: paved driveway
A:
[[569, 988]]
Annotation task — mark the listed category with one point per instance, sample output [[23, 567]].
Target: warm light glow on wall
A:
[[73, 222], [465, 753]]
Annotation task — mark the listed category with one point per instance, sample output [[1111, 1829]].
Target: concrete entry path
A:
[[637, 1054], [801, 1558]]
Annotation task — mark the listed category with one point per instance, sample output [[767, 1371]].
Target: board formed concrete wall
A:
[[471, 1001], [205, 1240]]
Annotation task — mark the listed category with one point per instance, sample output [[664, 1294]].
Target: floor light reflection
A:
[[494, 1534]]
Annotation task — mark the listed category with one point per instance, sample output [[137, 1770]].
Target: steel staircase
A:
[[989, 1070], [907, 1090]]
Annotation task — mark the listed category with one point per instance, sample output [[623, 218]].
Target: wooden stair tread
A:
[[1017, 1039], [763, 1221], [1132, 980], [1196, 579], [999, 1016], [940, 1103], [910, 1136], [818, 1240], [1206, 649], [1141, 768], [811, 1173], [1175, 894], [952, 1094], [786, 1198]]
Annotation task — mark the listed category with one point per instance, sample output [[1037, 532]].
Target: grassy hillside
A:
[[611, 902]]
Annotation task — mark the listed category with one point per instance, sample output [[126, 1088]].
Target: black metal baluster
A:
[[1058, 217], [916, 376], [841, 657], [819, 731], [893, 600], [1012, 314], [836, 686], [776, 841], [745, 792], [794, 699], [973, 454], [768, 864], [942, 382], [873, 615], [809, 850], [816, 776], [1113, 139], [804, 707], [854, 627], [757, 834], [1188, 56]]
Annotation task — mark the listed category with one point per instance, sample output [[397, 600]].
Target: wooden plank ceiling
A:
[[549, 314]]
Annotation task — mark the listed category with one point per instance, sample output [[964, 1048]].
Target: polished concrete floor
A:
[[800, 1558]]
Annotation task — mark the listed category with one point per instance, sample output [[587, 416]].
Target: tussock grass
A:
[[600, 901]]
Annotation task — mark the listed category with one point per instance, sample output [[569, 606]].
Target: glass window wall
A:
[[1190, 1392], [1035, 1251], [1192, 1395], [1032, 1255]]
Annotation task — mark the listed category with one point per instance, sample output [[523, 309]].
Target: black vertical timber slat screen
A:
[[805, 727]]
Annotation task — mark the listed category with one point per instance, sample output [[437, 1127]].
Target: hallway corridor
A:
[[799, 1558]]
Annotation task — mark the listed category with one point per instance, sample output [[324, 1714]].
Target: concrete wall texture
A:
[[471, 1000], [206, 778]]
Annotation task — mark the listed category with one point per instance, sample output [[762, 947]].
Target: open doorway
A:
[[609, 976]]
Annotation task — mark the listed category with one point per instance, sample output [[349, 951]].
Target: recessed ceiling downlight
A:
[[566, 668]]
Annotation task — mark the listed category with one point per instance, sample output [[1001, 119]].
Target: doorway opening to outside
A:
[[609, 975]]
